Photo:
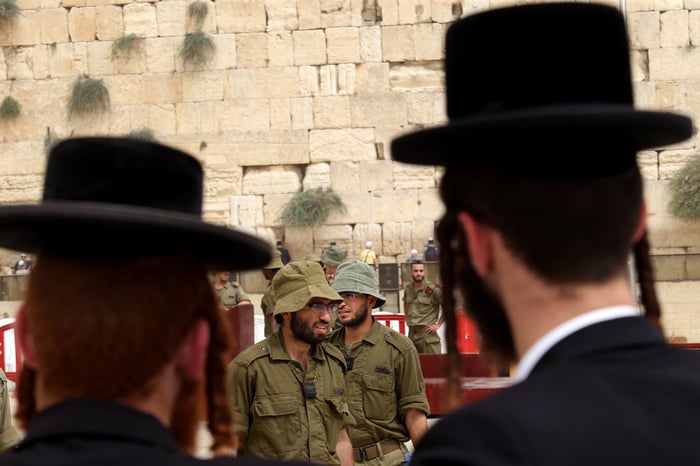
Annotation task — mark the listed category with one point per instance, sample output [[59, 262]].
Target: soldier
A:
[[120, 330], [228, 293], [544, 203], [331, 258], [288, 391], [9, 436], [267, 302], [384, 382], [421, 305]]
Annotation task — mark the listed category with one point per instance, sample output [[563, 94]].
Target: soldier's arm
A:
[[344, 449], [417, 424]]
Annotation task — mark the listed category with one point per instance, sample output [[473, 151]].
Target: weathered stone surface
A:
[[280, 49], [331, 145], [674, 64], [343, 44], [417, 76], [260, 148], [280, 114], [160, 88], [331, 112], [309, 14], [414, 11], [371, 44], [160, 54], [140, 19], [246, 211], [397, 43], [309, 47], [54, 27], [648, 162], [240, 16], [245, 115], [363, 232], [413, 176], [396, 238], [281, 15], [271, 180], [199, 86], [644, 30], [429, 41], [674, 28], [378, 109], [108, 22], [302, 113], [317, 176], [251, 50], [222, 180], [26, 29], [172, 16]]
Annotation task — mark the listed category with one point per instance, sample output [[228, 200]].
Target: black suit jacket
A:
[[614, 393], [103, 433]]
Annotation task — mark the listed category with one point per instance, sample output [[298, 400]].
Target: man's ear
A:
[[26, 345], [192, 355], [641, 224], [478, 242]]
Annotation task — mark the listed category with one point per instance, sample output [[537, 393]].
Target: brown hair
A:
[[103, 330]]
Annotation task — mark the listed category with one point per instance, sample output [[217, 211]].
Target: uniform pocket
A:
[[379, 394], [276, 426]]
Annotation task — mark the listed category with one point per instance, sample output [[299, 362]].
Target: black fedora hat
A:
[[542, 79], [110, 198]]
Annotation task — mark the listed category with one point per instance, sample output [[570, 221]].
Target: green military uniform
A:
[[267, 304], [384, 382], [9, 436], [231, 294], [423, 309], [271, 409]]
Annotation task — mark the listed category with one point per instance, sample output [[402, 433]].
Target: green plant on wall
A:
[[10, 109], [142, 134], [8, 10], [197, 13], [126, 46], [309, 208], [197, 48], [685, 191], [89, 96]]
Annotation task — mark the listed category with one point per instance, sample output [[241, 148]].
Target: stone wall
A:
[[299, 94]]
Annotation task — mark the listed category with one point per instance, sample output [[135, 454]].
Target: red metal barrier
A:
[[10, 355], [395, 321]]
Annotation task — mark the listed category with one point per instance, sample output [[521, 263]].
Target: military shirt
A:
[[8, 434], [231, 294], [271, 409], [383, 382], [424, 304]]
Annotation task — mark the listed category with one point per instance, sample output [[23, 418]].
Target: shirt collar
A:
[[533, 355]]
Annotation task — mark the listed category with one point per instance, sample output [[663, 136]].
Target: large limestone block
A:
[[430, 205], [331, 112], [422, 230], [414, 11], [108, 22], [309, 47], [328, 82], [200, 118], [372, 78], [343, 44], [347, 78], [325, 234], [54, 26], [222, 180], [40, 62], [17, 189], [369, 175], [358, 207], [245, 115], [337, 13], [692, 4], [251, 50], [397, 43], [278, 82], [363, 232], [20, 61], [389, 10], [280, 48], [246, 211], [399, 205], [225, 55], [309, 80], [26, 28], [21, 158], [280, 114], [665, 5], [669, 95], [670, 161], [160, 88], [317, 175], [648, 162], [644, 30], [444, 11], [408, 176], [694, 27], [429, 41], [425, 108], [640, 5], [99, 54], [162, 119], [282, 15], [299, 241], [371, 44], [640, 69], [140, 19], [396, 238], [384, 108], [309, 14], [241, 16], [172, 17], [273, 204], [417, 76], [261, 148], [126, 89], [271, 180], [674, 64], [160, 54], [302, 113], [198, 86], [674, 29], [330, 145]]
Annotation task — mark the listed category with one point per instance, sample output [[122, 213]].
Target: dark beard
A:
[[487, 311], [303, 333], [359, 318]]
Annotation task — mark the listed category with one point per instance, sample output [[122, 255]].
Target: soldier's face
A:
[[309, 326], [418, 272], [353, 310], [330, 272]]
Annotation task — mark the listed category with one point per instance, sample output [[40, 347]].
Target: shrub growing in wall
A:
[[10, 109], [685, 191], [126, 46], [309, 208], [89, 96], [142, 134], [197, 48], [8, 10]]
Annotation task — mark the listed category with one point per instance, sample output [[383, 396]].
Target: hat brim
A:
[[553, 126], [296, 301], [101, 231]]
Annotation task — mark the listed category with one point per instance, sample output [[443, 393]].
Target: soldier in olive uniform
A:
[[228, 293], [421, 305], [9, 436], [288, 391], [384, 382], [267, 302], [331, 258]]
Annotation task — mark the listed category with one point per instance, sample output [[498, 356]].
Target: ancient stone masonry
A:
[[299, 94]]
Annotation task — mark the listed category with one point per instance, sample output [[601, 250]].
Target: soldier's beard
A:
[[486, 309]]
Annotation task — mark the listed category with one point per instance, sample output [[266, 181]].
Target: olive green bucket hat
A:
[[297, 283], [276, 261], [333, 256], [357, 277]]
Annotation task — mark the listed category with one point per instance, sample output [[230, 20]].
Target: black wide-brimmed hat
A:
[[543, 79], [111, 198]]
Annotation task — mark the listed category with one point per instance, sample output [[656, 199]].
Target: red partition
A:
[[10, 355], [242, 320]]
